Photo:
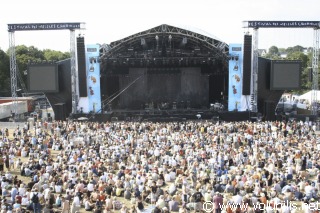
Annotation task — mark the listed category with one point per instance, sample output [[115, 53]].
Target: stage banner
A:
[[235, 77], [93, 78]]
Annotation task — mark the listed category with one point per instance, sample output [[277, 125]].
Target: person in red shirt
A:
[[217, 202]]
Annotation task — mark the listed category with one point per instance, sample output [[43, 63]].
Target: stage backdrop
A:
[[164, 85], [93, 78], [235, 77]]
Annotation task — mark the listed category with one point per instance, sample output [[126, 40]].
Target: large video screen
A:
[[43, 78], [285, 75]]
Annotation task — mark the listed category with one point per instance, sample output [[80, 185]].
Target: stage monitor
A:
[[285, 74], [43, 78]]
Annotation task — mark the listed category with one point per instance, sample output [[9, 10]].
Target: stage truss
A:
[[315, 25], [146, 45], [72, 26]]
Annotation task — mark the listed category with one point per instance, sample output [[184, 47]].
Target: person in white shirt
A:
[[22, 190], [237, 199], [46, 193], [172, 189], [76, 200], [141, 187], [25, 200], [41, 161], [173, 162], [58, 189], [161, 202], [172, 175], [155, 176], [309, 190], [285, 209], [157, 153], [90, 186], [167, 177]]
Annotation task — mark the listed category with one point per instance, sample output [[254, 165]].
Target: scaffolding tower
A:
[[315, 25], [72, 26]]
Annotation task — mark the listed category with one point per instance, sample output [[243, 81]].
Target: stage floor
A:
[[166, 115]]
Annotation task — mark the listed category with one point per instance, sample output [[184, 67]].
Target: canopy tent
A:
[[307, 96]]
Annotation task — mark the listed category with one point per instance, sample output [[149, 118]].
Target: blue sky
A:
[[107, 21]]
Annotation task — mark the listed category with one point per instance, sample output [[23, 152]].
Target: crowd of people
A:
[[73, 166]]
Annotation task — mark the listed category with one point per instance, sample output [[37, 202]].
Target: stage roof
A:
[[197, 30], [167, 41]]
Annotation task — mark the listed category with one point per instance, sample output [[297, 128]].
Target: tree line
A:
[[295, 53], [26, 54]]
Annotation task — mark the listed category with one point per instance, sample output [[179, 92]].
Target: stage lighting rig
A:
[[184, 40]]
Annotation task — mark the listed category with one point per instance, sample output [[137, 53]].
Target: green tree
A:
[[4, 74], [306, 84], [298, 48], [299, 56], [273, 53], [53, 55], [24, 56], [295, 53], [282, 50], [273, 50]]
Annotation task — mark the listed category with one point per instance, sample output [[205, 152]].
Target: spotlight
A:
[[198, 116], [143, 41], [184, 40]]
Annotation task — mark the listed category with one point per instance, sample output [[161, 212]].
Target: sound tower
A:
[[310, 75], [60, 111], [269, 110], [246, 76], [82, 67]]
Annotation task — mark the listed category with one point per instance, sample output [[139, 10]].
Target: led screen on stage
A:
[[93, 78], [235, 77], [43, 78], [285, 75]]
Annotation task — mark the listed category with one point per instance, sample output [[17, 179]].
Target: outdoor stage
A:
[[166, 65]]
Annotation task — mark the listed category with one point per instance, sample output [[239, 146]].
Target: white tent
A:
[[307, 96]]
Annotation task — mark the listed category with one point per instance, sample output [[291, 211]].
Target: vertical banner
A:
[[235, 77], [93, 78]]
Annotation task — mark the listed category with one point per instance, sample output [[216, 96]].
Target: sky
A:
[[111, 20]]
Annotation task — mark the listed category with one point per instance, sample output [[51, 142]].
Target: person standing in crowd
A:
[[7, 162], [1, 163]]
